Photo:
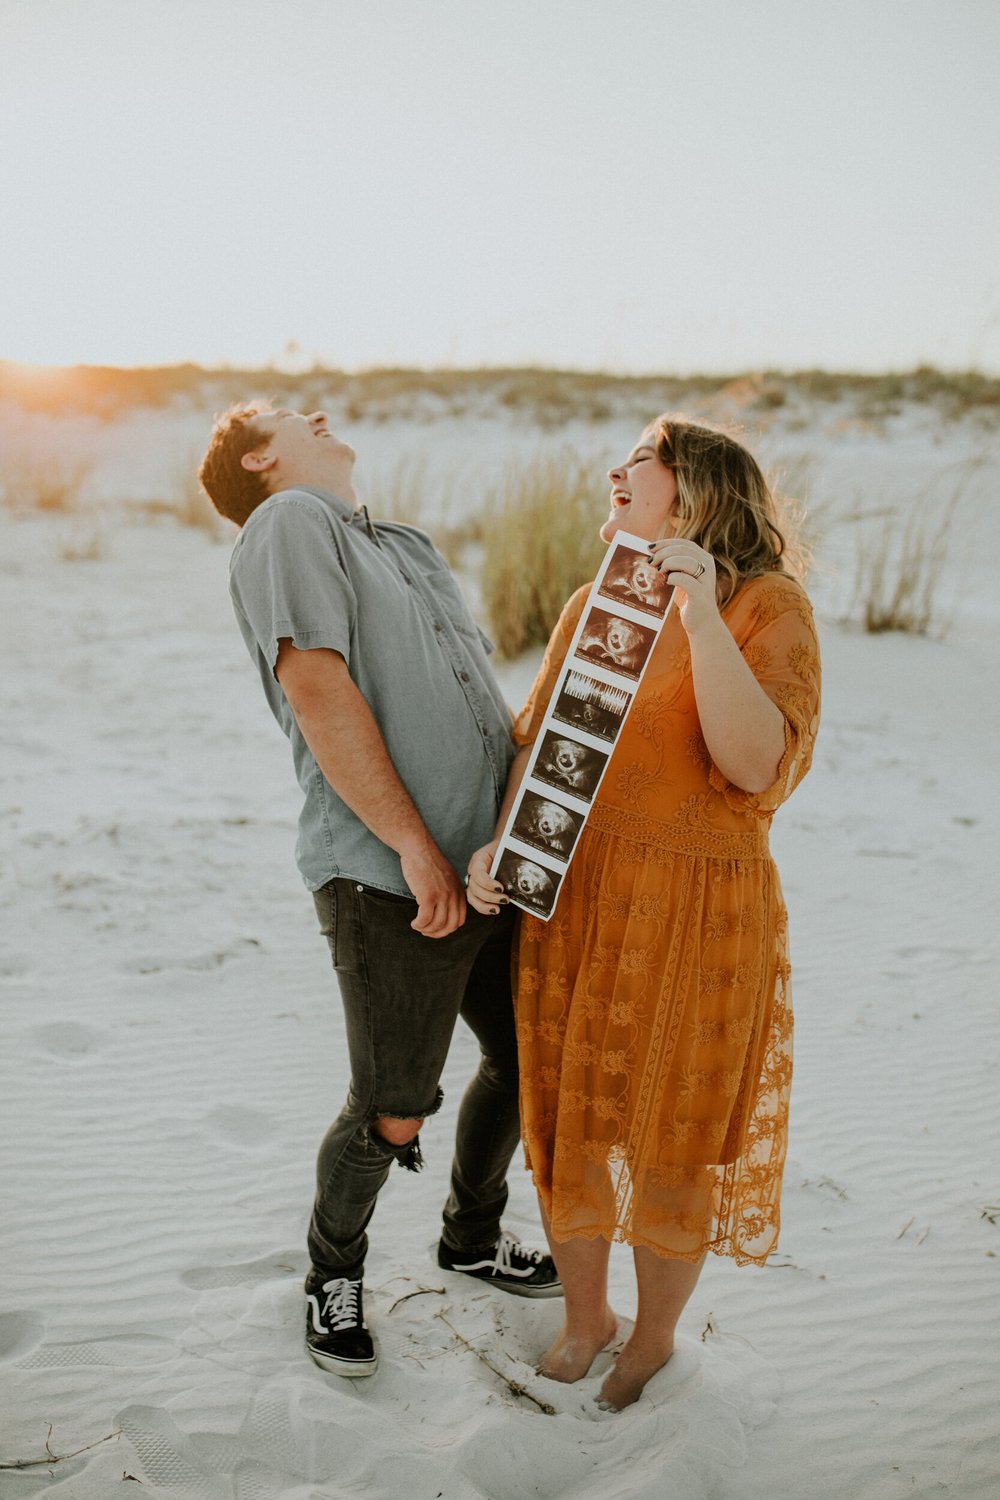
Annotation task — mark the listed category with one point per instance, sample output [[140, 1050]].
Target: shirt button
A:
[[464, 676], [437, 627]]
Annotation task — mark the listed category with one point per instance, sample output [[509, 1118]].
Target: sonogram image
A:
[[526, 883], [585, 703], [619, 645], [632, 579], [546, 825], [563, 762]]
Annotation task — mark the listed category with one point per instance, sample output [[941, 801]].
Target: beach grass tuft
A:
[[542, 545], [87, 544], [43, 481], [412, 492], [900, 567], [187, 501], [898, 571]]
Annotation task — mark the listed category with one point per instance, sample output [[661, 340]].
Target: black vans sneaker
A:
[[508, 1265], [337, 1335]]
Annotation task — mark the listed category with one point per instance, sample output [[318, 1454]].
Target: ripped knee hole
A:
[[397, 1132]]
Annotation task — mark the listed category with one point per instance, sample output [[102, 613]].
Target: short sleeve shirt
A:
[[310, 568]]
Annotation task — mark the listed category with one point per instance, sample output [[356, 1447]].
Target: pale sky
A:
[[633, 185]]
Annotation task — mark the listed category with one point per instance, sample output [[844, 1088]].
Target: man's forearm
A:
[[341, 731]]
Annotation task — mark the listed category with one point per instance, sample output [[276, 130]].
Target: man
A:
[[377, 673]]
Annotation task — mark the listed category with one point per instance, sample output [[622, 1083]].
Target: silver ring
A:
[[701, 569]]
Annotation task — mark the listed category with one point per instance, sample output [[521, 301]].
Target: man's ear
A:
[[258, 462]]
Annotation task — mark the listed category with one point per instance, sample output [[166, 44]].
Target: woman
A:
[[654, 1021]]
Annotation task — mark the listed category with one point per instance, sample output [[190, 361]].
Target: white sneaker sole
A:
[[352, 1369], [517, 1289], [514, 1288]]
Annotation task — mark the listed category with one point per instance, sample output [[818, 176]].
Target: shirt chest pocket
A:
[[443, 592]]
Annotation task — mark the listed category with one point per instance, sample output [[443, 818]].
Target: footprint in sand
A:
[[121, 1351], [284, 1440], [68, 1038], [168, 1459], [240, 1126], [198, 963], [19, 1333], [246, 1273]]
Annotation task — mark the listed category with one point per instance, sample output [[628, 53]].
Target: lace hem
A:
[[743, 1226], [726, 1245], [689, 831]]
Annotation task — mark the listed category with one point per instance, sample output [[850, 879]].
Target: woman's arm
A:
[[743, 730], [483, 892]]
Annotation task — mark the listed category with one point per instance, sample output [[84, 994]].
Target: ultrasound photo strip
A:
[[581, 726]]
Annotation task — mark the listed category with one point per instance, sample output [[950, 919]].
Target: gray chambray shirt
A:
[[309, 567]]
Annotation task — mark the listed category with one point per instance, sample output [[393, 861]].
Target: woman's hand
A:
[[482, 891], [692, 570]]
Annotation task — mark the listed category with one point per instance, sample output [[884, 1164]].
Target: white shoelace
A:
[[340, 1310], [507, 1245]]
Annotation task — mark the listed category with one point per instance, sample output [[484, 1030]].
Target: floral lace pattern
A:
[[654, 1011]]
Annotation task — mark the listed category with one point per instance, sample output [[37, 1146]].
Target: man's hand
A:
[[440, 898]]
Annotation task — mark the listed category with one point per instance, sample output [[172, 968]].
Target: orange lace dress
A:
[[653, 1010]]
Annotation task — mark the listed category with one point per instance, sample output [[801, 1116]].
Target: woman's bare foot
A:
[[626, 1380], [571, 1355]]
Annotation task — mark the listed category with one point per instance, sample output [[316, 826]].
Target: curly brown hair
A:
[[724, 503], [234, 491]]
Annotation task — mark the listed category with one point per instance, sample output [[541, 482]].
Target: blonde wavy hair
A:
[[725, 504]]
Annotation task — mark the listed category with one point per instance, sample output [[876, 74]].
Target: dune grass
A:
[[187, 501], [899, 566], [413, 491], [548, 397], [43, 481], [88, 543], [542, 545], [531, 540]]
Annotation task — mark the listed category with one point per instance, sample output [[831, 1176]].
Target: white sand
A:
[[173, 1053]]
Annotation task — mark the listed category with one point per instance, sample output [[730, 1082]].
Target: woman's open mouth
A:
[[619, 498]]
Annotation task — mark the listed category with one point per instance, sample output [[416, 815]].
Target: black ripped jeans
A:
[[402, 994]]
